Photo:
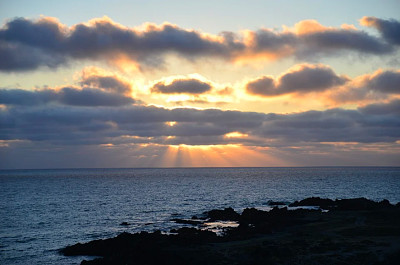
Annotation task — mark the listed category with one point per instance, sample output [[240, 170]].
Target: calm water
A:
[[44, 210]]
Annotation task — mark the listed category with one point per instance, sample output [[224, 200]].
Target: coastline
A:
[[347, 231]]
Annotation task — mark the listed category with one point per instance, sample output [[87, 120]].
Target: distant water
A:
[[42, 211]]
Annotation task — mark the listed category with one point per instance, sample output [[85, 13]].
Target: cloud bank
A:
[[78, 122], [27, 44]]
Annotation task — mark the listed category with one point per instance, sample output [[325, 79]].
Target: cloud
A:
[[182, 86], [28, 44], [91, 97], [96, 88], [99, 39], [391, 108], [77, 123], [19, 57], [300, 79], [106, 82], [309, 39], [327, 40], [385, 82], [389, 29], [66, 96], [378, 86]]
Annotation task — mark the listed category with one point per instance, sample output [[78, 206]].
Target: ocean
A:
[[42, 211]]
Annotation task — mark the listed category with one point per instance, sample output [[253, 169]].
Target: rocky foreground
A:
[[352, 231]]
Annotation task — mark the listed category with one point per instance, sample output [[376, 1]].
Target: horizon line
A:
[[210, 167]]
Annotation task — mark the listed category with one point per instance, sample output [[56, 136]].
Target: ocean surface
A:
[[42, 211]]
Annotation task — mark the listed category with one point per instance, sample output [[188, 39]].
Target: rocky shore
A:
[[347, 231]]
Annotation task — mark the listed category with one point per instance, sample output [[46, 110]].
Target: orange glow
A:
[[367, 21], [235, 135], [107, 145], [230, 155], [309, 26], [126, 64], [171, 123], [259, 59]]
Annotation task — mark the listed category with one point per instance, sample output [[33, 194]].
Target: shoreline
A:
[[347, 231]]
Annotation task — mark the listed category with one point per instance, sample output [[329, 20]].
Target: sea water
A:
[[42, 211]]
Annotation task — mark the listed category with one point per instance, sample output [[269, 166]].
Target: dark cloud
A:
[[180, 86], [310, 78], [25, 97], [262, 86], [19, 57], [92, 97], [66, 96], [301, 79], [332, 41], [385, 81], [28, 44], [82, 125], [390, 29], [391, 108], [309, 44], [269, 41], [334, 125], [108, 83], [99, 39]]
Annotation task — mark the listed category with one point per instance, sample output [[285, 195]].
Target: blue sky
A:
[[209, 16]]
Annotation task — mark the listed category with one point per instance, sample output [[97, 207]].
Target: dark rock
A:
[[253, 216], [360, 204], [228, 214], [276, 203], [343, 204], [385, 203], [314, 201], [195, 236], [125, 224], [279, 236]]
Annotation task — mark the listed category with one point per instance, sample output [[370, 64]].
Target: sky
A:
[[87, 84]]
